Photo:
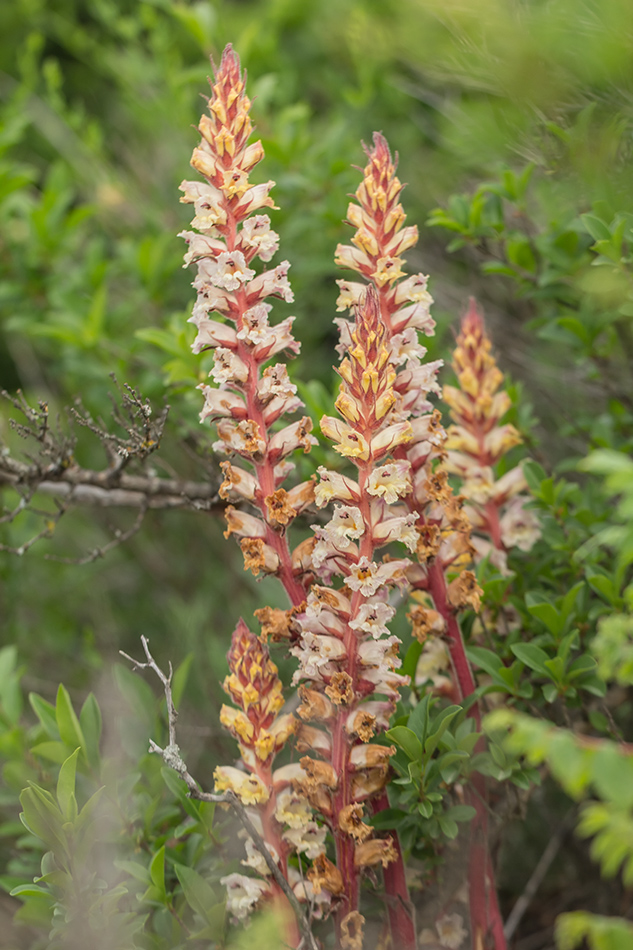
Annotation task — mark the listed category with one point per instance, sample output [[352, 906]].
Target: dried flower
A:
[[352, 931]]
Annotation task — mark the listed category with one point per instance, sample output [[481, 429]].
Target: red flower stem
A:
[[265, 469], [485, 915], [296, 594], [399, 906], [492, 523], [340, 740]]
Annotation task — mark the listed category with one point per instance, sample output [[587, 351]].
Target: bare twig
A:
[[51, 469], [120, 537], [536, 878], [172, 757]]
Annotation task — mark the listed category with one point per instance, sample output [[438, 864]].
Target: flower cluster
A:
[[476, 443], [442, 528], [338, 588], [444, 544], [251, 392], [281, 814], [347, 658]]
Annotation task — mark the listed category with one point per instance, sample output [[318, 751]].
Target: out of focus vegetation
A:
[[514, 124]]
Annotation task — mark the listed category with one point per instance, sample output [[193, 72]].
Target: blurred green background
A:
[[97, 105], [512, 119]]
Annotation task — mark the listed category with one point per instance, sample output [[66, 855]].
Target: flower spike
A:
[[477, 441], [250, 393], [443, 528]]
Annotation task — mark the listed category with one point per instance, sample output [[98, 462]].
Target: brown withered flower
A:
[[464, 592], [314, 705], [351, 822], [324, 875], [364, 725], [318, 773], [274, 624], [340, 689], [374, 852], [425, 622], [352, 931], [280, 511], [258, 556], [429, 540]]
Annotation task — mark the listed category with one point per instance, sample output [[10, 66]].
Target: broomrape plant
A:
[[315, 814]]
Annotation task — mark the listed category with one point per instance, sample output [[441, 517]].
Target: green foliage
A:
[[114, 847], [512, 121], [601, 933]]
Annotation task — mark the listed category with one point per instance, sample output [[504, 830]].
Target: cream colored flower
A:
[[255, 859], [451, 931], [333, 485], [242, 894], [401, 529], [292, 809], [346, 524], [309, 839], [272, 283], [372, 618], [249, 788], [256, 233], [390, 481], [520, 527], [229, 270], [228, 367], [255, 328], [368, 577]]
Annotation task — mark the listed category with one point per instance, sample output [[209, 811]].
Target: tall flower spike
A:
[[478, 441], [283, 817], [251, 392], [444, 543], [347, 659]]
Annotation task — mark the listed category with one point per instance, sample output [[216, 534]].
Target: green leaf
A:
[[42, 817], [52, 751], [45, 712], [540, 607], [612, 775], [157, 874], [198, 893], [406, 740], [411, 658], [532, 656], [69, 729], [90, 722], [604, 586], [66, 787], [597, 228], [10, 691], [448, 826], [388, 818], [555, 668], [419, 719], [550, 692], [179, 680], [439, 726], [535, 475], [460, 812], [486, 660], [601, 933]]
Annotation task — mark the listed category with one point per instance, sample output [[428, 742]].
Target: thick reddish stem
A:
[[485, 916], [399, 906]]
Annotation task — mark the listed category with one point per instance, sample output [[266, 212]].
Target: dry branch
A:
[[172, 758]]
